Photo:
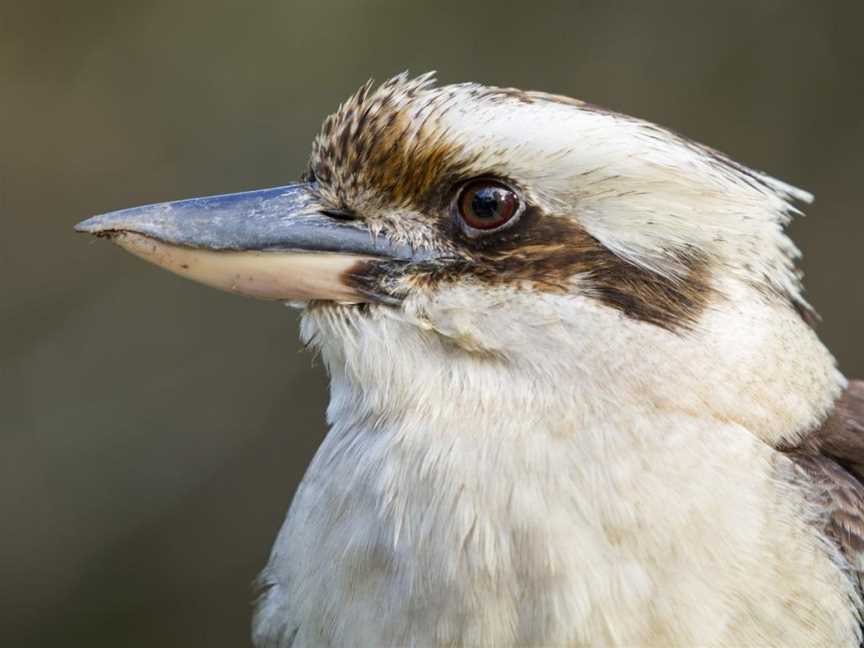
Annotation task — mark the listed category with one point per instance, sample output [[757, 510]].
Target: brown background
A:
[[153, 431]]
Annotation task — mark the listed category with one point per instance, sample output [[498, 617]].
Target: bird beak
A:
[[271, 244]]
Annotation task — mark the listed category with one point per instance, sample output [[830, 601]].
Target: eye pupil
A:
[[487, 205]]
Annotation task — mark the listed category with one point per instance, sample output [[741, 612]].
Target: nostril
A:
[[341, 213]]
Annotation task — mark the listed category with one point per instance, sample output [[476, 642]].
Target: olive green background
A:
[[153, 431]]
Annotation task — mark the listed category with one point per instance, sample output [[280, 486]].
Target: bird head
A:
[[467, 223]]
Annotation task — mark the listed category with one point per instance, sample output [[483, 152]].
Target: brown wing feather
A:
[[833, 457]]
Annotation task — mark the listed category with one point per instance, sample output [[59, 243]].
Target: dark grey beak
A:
[[273, 243]]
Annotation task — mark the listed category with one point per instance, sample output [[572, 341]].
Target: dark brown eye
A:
[[487, 205]]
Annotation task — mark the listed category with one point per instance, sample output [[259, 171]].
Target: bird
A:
[[576, 393]]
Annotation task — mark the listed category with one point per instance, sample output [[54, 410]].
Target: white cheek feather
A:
[[488, 481]]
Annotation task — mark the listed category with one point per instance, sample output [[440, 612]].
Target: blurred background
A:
[[153, 431]]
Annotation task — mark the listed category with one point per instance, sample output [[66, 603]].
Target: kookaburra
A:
[[576, 399]]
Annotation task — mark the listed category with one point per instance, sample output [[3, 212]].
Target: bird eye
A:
[[487, 205]]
